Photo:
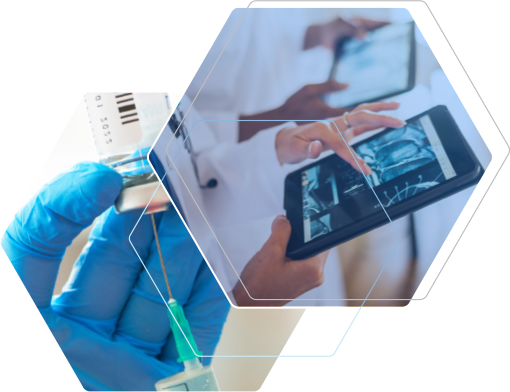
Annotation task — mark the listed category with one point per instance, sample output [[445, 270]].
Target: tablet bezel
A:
[[464, 161], [411, 80]]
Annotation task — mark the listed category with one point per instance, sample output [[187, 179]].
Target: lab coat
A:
[[262, 63], [260, 67], [232, 221]]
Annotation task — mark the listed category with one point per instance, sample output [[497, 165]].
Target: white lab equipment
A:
[[124, 127]]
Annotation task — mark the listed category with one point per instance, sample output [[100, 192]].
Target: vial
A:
[[124, 127]]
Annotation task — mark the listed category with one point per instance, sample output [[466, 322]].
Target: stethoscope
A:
[[173, 123]]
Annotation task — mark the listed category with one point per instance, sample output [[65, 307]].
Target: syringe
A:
[[195, 376]]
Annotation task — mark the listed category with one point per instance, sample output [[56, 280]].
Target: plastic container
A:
[[195, 378], [124, 127]]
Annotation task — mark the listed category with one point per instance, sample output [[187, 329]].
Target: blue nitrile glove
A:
[[110, 321], [134, 165]]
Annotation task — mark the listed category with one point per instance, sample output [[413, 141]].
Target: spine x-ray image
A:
[[404, 162], [319, 194], [396, 153]]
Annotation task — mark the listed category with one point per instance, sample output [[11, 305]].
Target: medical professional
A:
[[259, 80], [232, 220], [258, 65]]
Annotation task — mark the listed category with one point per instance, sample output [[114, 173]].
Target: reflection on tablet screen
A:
[[375, 66]]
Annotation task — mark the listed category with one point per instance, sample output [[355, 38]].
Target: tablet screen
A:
[[404, 161], [375, 66]]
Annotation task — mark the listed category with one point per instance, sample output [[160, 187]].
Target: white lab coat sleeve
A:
[[250, 179]]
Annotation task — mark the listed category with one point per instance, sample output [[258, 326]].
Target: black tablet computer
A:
[[328, 202], [376, 67]]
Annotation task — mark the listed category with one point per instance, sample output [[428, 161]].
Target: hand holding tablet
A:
[[272, 279]]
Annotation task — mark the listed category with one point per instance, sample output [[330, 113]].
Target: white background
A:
[[271, 327]]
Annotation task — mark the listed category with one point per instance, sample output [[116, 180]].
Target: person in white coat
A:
[[256, 69], [232, 221], [257, 77], [250, 74]]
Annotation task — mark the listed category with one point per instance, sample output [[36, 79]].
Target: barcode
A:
[[126, 106]]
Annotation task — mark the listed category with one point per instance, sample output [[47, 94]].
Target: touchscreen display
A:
[[375, 66], [404, 161]]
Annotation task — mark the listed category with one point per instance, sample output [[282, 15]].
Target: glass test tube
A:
[[124, 127]]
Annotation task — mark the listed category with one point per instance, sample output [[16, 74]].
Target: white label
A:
[[113, 119], [153, 111]]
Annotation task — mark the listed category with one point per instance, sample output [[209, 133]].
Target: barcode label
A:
[[127, 108], [113, 120]]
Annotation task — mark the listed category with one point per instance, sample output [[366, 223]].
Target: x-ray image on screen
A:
[[397, 153], [404, 162], [402, 151], [411, 186], [319, 194]]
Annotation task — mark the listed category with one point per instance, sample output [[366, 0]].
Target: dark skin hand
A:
[[304, 106], [307, 103]]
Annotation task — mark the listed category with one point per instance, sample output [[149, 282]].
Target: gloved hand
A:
[[110, 320]]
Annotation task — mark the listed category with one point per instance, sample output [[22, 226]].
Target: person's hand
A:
[[328, 34], [305, 105], [294, 145], [110, 320], [308, 105], [363, 25], [271, 279]]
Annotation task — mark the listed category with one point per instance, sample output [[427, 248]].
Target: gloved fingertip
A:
[[100, 183], [82, 193]]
